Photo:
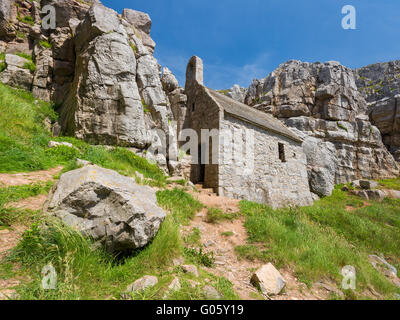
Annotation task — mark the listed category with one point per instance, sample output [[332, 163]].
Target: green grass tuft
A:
[[45, 44], [215, 215], [26, 19], [393, 184]]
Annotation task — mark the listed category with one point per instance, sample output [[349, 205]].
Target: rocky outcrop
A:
[[17, 73], [104, 105], [322, 101], [141, 24], [380, 84], [110, 208], [98, 68]]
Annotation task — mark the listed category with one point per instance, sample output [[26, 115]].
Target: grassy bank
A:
[[24, 140], [317, 242]]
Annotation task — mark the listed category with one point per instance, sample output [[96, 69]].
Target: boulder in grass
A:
[[268, 280], [110, 208]]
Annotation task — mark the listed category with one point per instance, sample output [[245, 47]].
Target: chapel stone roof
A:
[[254, 116]]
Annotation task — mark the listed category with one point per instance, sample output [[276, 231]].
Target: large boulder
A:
[[321, 163], [109, 207], [322, 101], [16, 74]]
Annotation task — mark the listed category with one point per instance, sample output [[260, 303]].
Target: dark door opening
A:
[[202, 167]]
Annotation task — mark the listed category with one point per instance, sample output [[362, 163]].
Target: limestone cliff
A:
[[380, 84], [322, 103]]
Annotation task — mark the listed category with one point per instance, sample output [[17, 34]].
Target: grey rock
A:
[[66, 9], [315, 196], [5, 16], [361, 193], [109, 207], [380, 85], [377, 195], [15, 74], [83, 163], [105, 98], [141, 23], [175, 285], [139, 20], [211, 293], [142, 284], [237, 93], [321, 164], [209, 243], [395, 194], [268, 280], [190, 269], [178, 261], [16, 61], [376, 260], [169, 81], [55, 144], [368, 184], [17, 77], [356, 184]]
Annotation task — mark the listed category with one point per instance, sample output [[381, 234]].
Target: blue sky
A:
[[242, 40]]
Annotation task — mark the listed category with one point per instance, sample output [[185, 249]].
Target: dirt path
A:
[[32, 203], [227, 264], [16, 179]]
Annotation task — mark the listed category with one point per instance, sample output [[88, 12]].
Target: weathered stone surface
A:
[[139, 20], [237, 93], [16, 74], [321, 164], [67, 9], [106, 206], [16, 61], [211, 293], [83, 163], [395, 194], [178, 261], [55, 144], [5, 15], [104, 105], [377, 195], [190, 269], [380, 84], [142, 284], [268, 280], [322, 101], [169, 81], [378, 262], [142, 25], [175, 285], [361, 193], [368, 184]]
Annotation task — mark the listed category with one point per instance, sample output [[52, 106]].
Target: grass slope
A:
[[88, 273], [24, 140], [318, 241]]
